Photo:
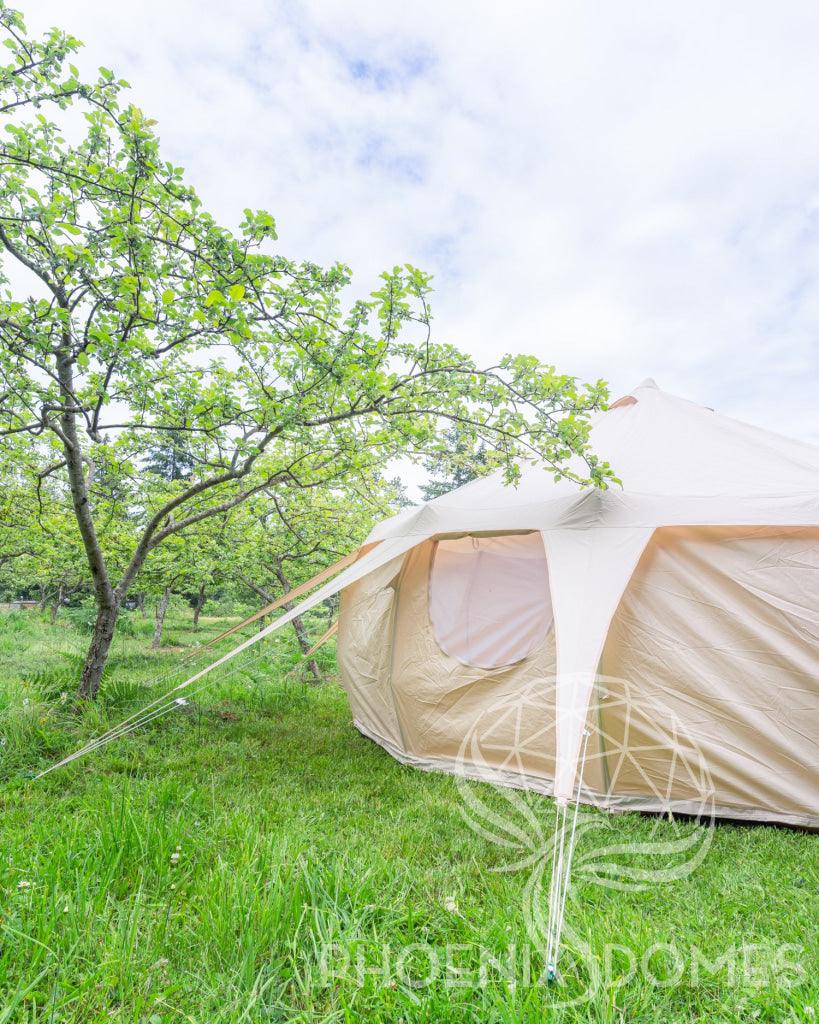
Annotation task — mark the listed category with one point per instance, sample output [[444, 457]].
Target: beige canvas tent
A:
[[485, 631], [668, 629]]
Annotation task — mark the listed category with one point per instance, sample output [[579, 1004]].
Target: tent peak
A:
[[649, 382]]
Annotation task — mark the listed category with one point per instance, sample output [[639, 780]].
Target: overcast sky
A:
[[624, 189]]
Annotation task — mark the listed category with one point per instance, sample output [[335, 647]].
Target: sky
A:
[[625, 190]]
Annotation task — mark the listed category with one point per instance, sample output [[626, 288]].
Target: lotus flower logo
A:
[[638, 755]]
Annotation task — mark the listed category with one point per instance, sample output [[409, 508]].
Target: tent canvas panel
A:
[[720, 628], [364, 649], [437, 696], [589, 570]]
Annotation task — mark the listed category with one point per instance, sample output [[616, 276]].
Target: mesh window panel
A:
[[489, 600]]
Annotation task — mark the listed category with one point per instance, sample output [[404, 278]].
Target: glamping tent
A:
[[506, 632], [693, 592]]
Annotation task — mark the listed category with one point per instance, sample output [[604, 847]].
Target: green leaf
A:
[[214, 297], [236, 292], [168, 296]]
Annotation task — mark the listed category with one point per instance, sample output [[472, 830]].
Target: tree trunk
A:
[[298, 625], [140, 602], [161, 609], [304, 644], [43, 599], [98, 651], [55, 604], [198, 604], [108, 600]]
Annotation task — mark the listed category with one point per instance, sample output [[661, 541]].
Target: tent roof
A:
[[680, 463]]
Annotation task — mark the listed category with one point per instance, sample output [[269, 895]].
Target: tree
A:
[[185, 564], [462, 465], [18, 534], [161, 576], [170, 458], [141, 318], [56, 564], [195, 560], [35, 72], [279, 542], [209, 564]]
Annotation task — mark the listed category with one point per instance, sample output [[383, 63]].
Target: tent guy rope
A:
[[561, 868], [352, 567], [156, 708]]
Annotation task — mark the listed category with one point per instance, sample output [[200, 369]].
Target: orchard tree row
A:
[[253, 553]]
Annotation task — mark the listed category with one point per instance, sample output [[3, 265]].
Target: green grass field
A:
[[252, 858]]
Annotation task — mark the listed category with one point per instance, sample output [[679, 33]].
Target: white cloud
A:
[[627, 190]]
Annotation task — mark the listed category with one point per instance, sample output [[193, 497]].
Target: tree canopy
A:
[[135, 329]]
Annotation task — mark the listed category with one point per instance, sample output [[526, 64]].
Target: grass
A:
[[252, 858]]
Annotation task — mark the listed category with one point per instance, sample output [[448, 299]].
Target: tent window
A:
[[489, 600]]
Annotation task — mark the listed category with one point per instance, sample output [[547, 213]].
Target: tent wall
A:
[[717, 634], [364, 650], [720, 627]]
